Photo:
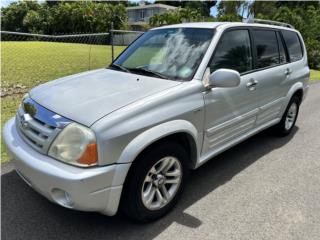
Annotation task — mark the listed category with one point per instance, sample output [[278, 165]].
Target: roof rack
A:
[[255, 20]]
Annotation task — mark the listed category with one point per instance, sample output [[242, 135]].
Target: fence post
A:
[[112, 47]]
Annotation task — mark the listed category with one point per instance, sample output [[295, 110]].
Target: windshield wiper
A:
[[119, 67], [143, 70]]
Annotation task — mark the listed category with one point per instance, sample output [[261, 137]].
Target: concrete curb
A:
[[6, 168]]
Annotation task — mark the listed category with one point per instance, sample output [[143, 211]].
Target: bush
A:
[[313, 50], [63, 17]]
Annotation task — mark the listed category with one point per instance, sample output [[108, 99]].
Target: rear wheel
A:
[[289, 118], [155, 182]]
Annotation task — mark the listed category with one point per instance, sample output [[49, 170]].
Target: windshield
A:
[[173, 53]]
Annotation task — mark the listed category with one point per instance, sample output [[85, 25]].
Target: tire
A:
[[135, 201], [289, 118]]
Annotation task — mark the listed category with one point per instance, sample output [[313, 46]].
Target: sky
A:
[[4, 3]]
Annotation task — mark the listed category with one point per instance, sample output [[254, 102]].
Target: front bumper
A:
[[87, 189]]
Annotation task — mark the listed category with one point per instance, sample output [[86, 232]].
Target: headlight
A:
[[25, 96], [75, 145]]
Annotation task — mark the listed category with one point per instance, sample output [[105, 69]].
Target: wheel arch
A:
[[299, 94], [295, 90], [180, 131]]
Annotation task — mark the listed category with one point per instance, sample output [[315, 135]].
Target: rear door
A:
[[299, 71], [271, 73]]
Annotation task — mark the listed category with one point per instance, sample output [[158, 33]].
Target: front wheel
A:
[[155, 182], [289, 118]]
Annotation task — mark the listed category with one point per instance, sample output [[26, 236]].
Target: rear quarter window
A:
[[282, 51], [293, 44]]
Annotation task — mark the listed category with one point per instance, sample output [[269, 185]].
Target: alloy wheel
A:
[[161, 183], [291, 116]]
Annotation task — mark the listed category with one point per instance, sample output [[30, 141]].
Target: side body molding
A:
[[143, 140]]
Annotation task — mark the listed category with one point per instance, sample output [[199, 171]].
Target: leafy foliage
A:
[[203, 7], [63, 17], [176, 16]]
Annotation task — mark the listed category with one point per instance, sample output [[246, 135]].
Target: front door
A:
[[230, 112]]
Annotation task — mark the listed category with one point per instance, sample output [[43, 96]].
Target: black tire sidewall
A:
[[132, 202], [281, 126]]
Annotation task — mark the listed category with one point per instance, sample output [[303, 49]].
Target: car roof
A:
[[214, 25]]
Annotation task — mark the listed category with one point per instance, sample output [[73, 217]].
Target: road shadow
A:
[[27, 215]]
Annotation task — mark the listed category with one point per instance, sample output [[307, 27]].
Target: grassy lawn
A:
[[9, 107], [32, 63], [314, 75]]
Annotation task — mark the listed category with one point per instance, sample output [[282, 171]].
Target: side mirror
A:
[[224, 78]]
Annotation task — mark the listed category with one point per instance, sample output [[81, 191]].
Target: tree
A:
[[307, 21], [261, 9], [176, 16], [231, 11], [229, 18], [203, 7], [33, 22], [13, 15], [229, 7], [63, 17], [298, 4]]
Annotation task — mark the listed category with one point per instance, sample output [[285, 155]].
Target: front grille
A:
[[35, 132]]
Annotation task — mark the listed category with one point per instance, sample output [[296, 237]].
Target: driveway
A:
[[264, 188]]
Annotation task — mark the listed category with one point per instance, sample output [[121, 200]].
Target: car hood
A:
[[89, 96]]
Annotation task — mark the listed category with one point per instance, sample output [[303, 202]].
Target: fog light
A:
[[62, 197]]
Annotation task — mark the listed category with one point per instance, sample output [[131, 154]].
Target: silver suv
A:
[[127, 136]]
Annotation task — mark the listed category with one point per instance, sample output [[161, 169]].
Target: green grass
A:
[[314, 75], [9, 107], [33, 63]]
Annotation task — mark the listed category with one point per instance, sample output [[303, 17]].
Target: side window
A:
[[267, 48], [233, 52], [293, 44], [283, 57]]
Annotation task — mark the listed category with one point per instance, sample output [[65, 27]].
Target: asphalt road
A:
[[264, 188]]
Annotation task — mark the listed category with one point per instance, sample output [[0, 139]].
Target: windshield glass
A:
[[173, 53]]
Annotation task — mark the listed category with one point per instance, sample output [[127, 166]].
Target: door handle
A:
[[251, 85], [288, 71]]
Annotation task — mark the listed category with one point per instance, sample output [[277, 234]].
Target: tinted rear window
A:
[[283, 57], [293, 44], [267, 48]]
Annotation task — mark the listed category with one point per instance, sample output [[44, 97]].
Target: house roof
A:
[[158, 5]]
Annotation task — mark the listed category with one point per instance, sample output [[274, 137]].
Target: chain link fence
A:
[[122, 38], [28, 60]]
